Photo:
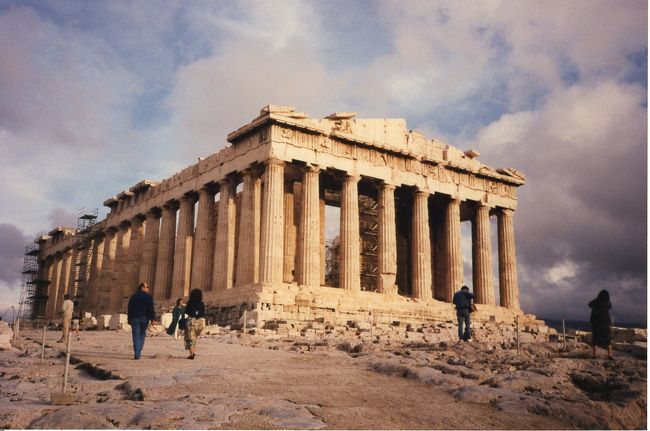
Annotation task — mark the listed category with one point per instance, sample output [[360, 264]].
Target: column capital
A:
[[422, 192], [274, 162], [505, 211], [387, 186], [154, 212], [309, 167], [170, 205], [352, 177]]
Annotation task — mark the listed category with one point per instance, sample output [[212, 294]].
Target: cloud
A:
[[12, 249]]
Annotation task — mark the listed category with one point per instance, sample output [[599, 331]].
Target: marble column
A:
[[136, 245], [272, 228], [309, 230], [74, 273], [453, 256], [165, 257], [290, 233], [203, 255], [53, 291], [224, 258], [120, 273], [421, 247], [107, 271], [96, 261], [387, 241], [323, 257], [482, 256], [508, 288], [64, 281], [350, 277], [248, 242], [183, 250], [150, 249]]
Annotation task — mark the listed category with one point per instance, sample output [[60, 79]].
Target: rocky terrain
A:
[[273, 380]]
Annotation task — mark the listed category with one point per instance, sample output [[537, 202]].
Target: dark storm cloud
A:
[[12, 249]]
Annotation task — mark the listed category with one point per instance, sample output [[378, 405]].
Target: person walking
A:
[[195, 310], [177, 314], [463, 302], [66, 311], [140, 313], [601, 324]]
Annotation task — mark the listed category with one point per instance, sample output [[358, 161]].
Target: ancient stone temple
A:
[[247, 225]]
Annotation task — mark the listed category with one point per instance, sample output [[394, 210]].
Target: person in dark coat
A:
[[140, 313], [177, 314], [195, 310], [601, 323], [463, 302]]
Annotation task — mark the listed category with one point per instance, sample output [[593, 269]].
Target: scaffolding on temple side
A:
[[85, 224], [28, 289]]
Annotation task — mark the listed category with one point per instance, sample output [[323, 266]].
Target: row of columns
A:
[[163, 247]]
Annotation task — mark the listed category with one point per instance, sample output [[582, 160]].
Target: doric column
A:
[[508, 288], [73, 274], [323, 258], [350, 277], [107, 272], [202, 258], [165, 257], [453, 256], [248, 242], [272, 236], [64, 280], [290, 232], [309, 230], [224, 258], [183, 252], [120, 273], [53, 291], [136, 245], [421, 247], [150, 249], [96, 260], [387, 258], [482, 256]]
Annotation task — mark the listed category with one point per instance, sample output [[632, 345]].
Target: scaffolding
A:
[[29, 293], [84, 234]]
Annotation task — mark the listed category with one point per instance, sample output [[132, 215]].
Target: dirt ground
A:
[[264, 381]]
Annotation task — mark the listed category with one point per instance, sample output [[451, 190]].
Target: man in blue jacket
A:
[[463, 301], [140, 313]]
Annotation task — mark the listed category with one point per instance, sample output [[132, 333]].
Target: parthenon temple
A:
[[299, 218]]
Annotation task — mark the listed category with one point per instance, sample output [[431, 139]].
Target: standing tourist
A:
[[463, 302], [76, 319], [195, 310], [66, 312], [601, 324], [140, 313], [177, 314]]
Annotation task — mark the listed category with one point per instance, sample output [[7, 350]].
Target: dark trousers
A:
[[463, 317], [138, 331]]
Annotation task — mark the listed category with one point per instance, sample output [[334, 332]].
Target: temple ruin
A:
[[247, 225]]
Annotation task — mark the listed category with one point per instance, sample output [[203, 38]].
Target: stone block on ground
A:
[[6, 334], [166, 319], [88, 323], [103, 321], [117, 322]]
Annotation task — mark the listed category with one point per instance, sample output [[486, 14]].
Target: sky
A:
[[98, 95]]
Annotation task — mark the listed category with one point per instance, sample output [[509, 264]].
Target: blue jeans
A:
[[463, 317], [138, 331]]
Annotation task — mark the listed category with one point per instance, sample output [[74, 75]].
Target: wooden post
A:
[[563, 336], [67, 363], [517, 331], [244, 320], [43, 343]]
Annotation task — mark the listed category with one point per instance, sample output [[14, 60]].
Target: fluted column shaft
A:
[[96, 261], [309, 229], [134, 260], [453, 256], [508, 287], [64, 281], [74, 273], [107, 272], [165, 257], [482, 256], [387, 253], [290, 233], [120, 273], [350, 277], [272, 235], [202, 259], [248, 242], [183, 252], [53, 291], [224, 258], [150, 250], [421, 247]]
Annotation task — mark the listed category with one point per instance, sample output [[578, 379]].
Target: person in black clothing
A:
[[195, 310], [141, 312], [601, 323], [463, 301]]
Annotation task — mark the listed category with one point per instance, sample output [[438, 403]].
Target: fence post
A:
[[67, 363], [563, 336], [244, 328], [43, 343], [517, 331]]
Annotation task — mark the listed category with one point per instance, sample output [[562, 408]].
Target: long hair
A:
[[603, 296], [178, 301], [196, 295]]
